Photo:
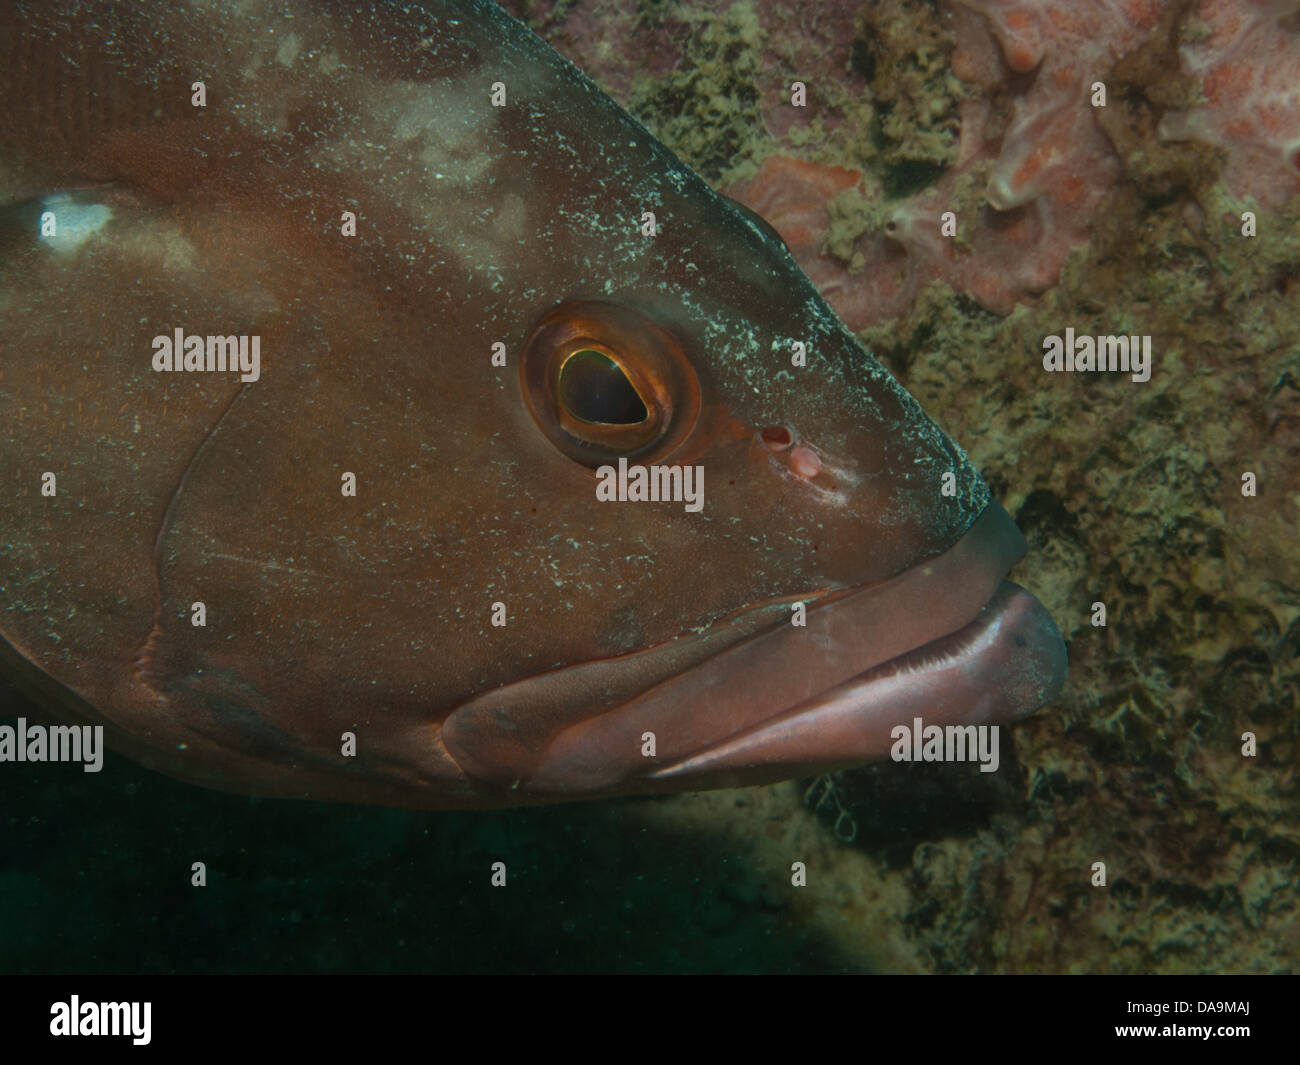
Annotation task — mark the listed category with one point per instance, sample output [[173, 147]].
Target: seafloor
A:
[[1129, 494]]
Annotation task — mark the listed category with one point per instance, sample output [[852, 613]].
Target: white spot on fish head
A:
[[74, 223]]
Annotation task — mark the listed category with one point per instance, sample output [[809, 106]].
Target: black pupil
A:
[[594, 389]]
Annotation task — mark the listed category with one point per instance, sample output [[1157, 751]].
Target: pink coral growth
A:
[[1053, 135], [1248, 67], [1046, 170], [1049, 164], [909, 251]]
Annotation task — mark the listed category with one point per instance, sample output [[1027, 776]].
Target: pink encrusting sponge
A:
[[1248, 67], [1030, 139]]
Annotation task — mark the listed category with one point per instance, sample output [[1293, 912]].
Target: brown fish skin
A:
[[476, 225]]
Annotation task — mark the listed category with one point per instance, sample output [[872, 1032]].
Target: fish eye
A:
[[603, 381], [594, 389]]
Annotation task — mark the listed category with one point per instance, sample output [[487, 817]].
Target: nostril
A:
[[777, 437], [805, 463]]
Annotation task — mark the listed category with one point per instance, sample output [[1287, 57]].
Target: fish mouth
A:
[[758, 698], [1003, 665]]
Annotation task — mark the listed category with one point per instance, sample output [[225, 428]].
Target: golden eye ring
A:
[[589, 367]]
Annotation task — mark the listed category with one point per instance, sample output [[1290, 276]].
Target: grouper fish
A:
[[388, 417]]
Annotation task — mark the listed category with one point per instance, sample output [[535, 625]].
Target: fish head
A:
[[840, 575]]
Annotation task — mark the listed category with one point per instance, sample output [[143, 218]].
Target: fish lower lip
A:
[[730, 718], [1006, 663]]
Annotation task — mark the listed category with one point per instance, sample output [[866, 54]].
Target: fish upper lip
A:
[[708, 716]]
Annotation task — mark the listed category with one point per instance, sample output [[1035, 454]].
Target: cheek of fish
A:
[[388, 417]]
